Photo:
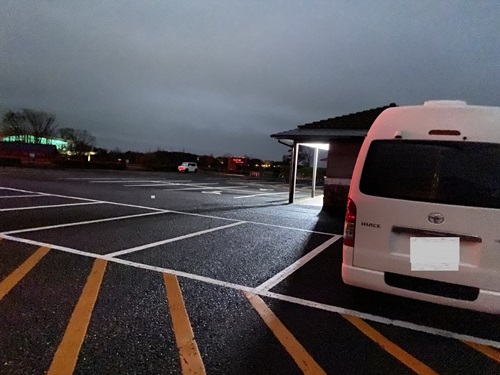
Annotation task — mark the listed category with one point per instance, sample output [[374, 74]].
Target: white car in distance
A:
[[188, 167]]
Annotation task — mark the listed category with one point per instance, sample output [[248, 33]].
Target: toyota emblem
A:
[[436, 218]]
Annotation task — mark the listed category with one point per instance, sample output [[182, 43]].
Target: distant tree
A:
[[80, 141], [42, 124], [101, 151], [222, 161], [133, 157], [254, 162], [14, 124], [305, 158], [206, 161], [29, 122]]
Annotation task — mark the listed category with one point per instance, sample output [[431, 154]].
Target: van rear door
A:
[[406, 184]]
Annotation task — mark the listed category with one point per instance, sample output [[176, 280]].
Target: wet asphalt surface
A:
[[130, 329]]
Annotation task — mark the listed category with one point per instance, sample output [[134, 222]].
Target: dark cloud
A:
[[221, 76]]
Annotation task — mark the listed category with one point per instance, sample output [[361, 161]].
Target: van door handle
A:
[[433, 233]]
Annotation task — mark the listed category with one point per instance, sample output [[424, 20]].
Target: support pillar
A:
[[293, 172], [315, 170]]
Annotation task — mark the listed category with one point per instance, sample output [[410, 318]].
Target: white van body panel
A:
[[487, 301], [479, 124], [379, 249]]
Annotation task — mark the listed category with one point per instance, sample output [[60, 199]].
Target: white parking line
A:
[[276, 279], [176, 212], [23, 191], [232, 188], [208, 187], [378, 319], [196, 185], [128, 263], [80, 223], [51, 246], [49, 206], [253, 222], [92, 178], [169, 184], [189, 188], [258, 195], [22, 196], [277, 296], [254, 182], [124, 181], [154, 244], [48, 195]]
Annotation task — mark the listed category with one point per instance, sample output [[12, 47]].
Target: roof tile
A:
[[359, 120]]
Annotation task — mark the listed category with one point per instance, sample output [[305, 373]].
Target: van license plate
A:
[[434, 253]]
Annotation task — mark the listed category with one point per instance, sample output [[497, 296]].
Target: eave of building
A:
[[318, 135], [353, 125]]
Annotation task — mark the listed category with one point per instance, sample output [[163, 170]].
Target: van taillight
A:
[[350, 223]]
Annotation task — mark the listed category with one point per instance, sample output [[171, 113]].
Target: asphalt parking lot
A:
[[161, 273]]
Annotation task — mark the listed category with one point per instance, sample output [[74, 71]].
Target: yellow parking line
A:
[[299, 354], [64, 361], [17, 275], [189, 354], [391, 348], [486, 350]]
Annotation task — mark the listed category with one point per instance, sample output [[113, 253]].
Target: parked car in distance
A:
[[188, 167], [425, 174]]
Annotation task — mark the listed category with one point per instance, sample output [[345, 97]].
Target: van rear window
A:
[[456, 173]]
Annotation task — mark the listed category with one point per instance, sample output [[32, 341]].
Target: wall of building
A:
[[12, 153], [340, 165], [235, 164]]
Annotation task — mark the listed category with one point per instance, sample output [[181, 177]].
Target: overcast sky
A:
[[221, 76]]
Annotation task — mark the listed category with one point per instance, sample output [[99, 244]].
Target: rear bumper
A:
[[487, 301]]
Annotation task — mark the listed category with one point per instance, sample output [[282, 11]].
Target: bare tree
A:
[[305, 157], [41, 124], [28, 122], [14, 124], [80, 141]]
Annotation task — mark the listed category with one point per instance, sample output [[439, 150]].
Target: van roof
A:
[[476, 123]]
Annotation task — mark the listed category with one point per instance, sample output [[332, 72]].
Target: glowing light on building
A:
[[60, 144]]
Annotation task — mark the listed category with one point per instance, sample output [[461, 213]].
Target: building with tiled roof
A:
[[342, 136]]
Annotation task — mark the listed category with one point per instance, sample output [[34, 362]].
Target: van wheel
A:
[[196, 171]]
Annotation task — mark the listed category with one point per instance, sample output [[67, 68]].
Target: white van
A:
[[428, 171]]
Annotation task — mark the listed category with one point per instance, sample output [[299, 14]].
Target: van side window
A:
[[456, 173]]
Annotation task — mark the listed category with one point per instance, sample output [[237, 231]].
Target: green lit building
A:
[[62, 146]]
